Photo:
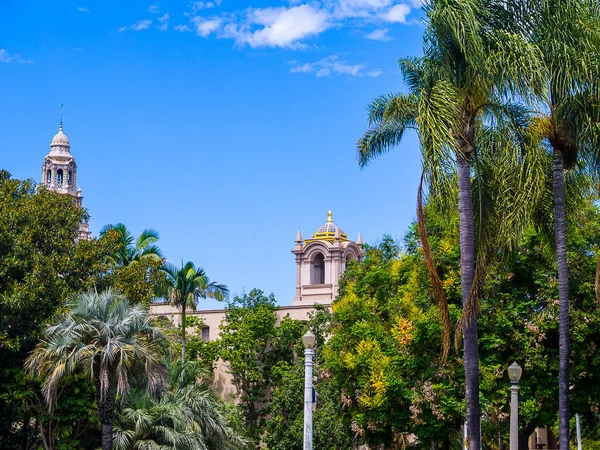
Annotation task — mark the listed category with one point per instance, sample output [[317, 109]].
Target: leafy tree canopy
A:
[[256, 350], [384, 351]]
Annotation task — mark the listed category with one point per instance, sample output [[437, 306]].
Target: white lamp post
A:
[[309, 350], [514, 373]]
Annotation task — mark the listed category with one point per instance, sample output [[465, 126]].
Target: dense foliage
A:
[[185, 415], [385, 355], [106, 338], [506, 104], [257, 351], [285, 427], [40, 267]]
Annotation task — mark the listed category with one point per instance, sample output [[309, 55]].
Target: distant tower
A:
[[59, 173], [321, 260]]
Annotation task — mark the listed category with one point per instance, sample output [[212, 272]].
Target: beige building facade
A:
[[320, 262]]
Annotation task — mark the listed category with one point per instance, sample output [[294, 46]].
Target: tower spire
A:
[[62, 110]]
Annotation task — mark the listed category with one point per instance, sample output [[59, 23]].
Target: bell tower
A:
[[320, 262], [59, 173]]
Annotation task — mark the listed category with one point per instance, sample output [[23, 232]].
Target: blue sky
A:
[[224, 125]]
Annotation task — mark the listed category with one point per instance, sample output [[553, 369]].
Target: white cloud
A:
[[264, 16], [197, 6], [138, 26], [397, 13], [358, 8], [164, 22], [204, 27], [141, 25], [6, 57], [289, 26], [284, 27], [380, 34], [333, 65], [304, 68], [182, 28], [82, 9]]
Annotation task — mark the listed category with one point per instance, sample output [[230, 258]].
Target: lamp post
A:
[[309, 350], [514, 373]]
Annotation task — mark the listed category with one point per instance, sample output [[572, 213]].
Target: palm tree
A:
[[130, 250], [568, 34], [188, 416], [106, 337], [457, 90], [183, 287]]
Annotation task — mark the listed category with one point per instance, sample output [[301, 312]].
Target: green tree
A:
[[129, 250], [73, 423], [106, 337], [381, 352], [256, 351], [285, 427], [134, 265], [568, 34], [188, 415], [184, 287], [41, 264], [456, 98]]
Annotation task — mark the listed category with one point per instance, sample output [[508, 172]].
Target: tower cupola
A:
[[59, 173], [60, 145], [320, 262]]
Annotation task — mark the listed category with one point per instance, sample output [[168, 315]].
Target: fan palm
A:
[[184, 287], [130, 250], [106, 337], [457, 92], [568, 34], [188, 415]]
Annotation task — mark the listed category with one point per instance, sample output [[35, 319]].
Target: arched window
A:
[[70, 178], [318, 269], [48, 176], [59, 178]]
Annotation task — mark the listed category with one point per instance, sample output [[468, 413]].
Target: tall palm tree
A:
[[106, 337], [456, 90], [184, 287], [130, 250], [568, 34]]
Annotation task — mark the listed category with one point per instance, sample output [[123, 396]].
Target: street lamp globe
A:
[[514, 372], [308, 340]]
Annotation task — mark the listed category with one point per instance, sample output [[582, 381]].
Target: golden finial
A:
[[329, 219]]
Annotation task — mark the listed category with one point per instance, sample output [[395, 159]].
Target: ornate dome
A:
[[328, 230], [60, 139]]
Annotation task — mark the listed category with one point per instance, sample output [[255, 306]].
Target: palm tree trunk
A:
[[183, 325], [106, 411], [107, 438], [558, 183], [467, 273]]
